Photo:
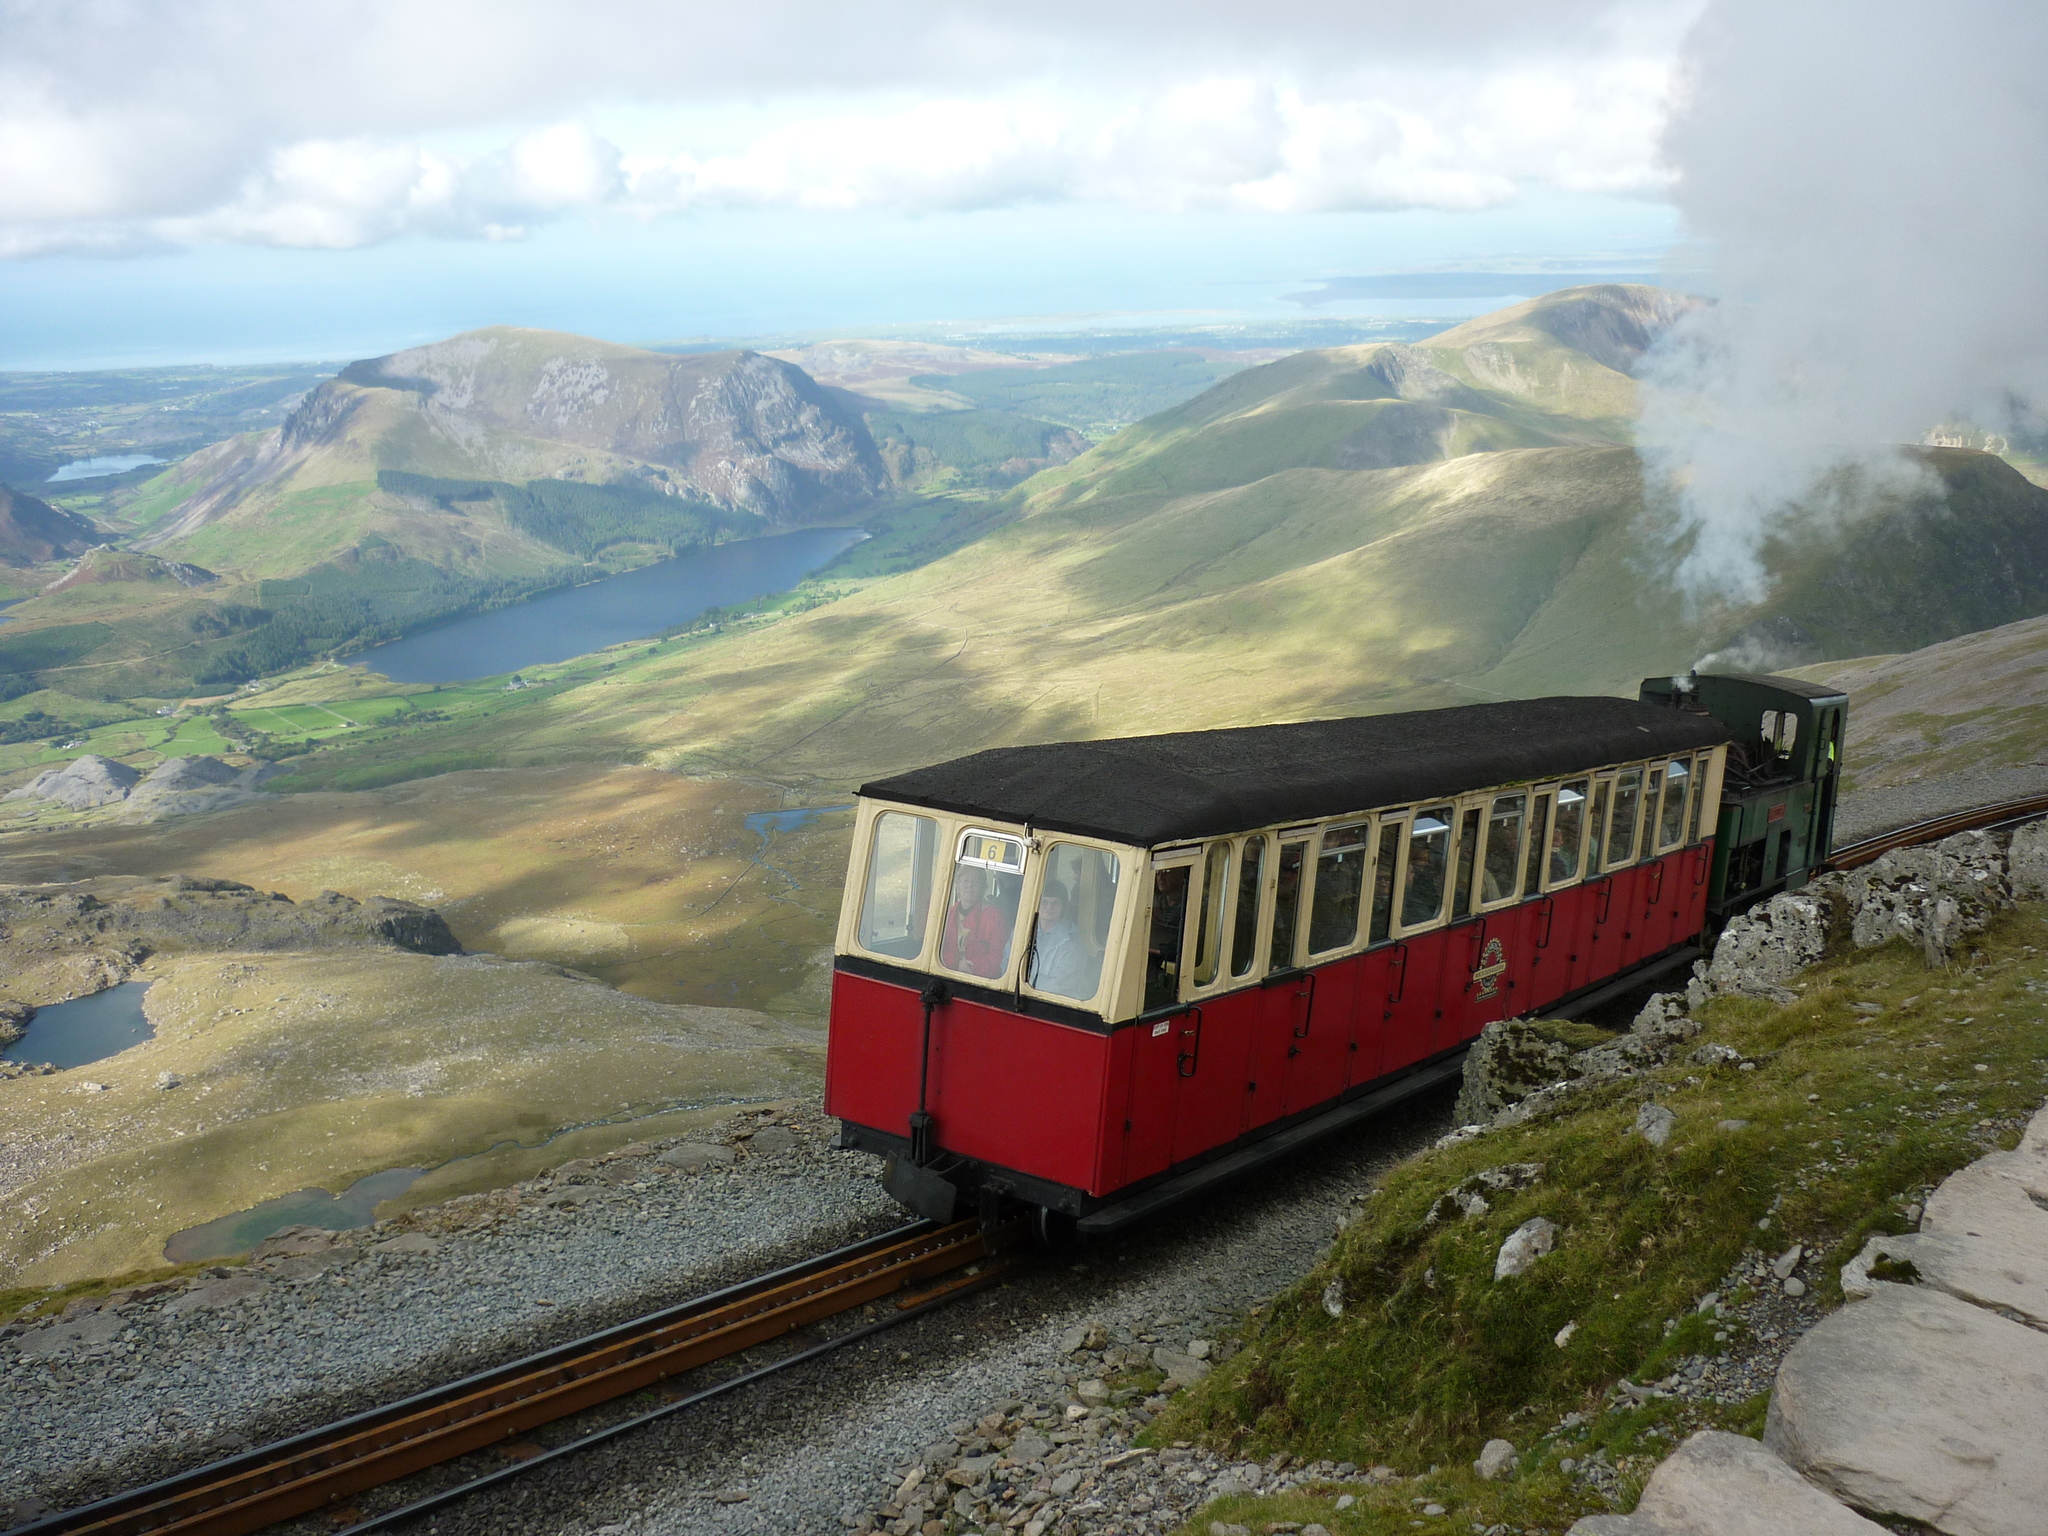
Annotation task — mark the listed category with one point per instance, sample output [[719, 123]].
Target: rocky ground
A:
[[138, 1387], [66, 940]]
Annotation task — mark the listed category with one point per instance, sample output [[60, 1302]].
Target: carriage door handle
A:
[[1549, 919], [1657, 890], [1190, 1055], [1700, 860], [1401, 980], [1606, 899], [1308, 1015]]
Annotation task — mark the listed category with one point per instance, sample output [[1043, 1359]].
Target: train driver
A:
[[977, 937]]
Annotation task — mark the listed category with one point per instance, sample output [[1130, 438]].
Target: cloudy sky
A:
[[245, 178]]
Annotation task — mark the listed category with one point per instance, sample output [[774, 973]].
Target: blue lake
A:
[[583, 619], [105, 464], [86, 1029]]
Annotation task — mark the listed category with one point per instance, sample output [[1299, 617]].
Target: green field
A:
[[1096, 397]]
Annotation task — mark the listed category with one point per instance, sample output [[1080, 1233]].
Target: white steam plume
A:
[[1865, 180]]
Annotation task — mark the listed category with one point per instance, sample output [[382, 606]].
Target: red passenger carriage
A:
[[1096, 976]]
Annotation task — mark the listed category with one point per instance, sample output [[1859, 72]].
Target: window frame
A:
[[1578, 876], [1400, 929], [1310, 836], [864, 848], [1527, 794], [1109, 976], [1366, 826], [1028, 880]]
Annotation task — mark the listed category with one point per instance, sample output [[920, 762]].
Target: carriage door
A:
[[1286, 999]]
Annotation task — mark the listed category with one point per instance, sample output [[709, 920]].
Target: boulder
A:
[[81, 784], [1524, 1246], [1654, 1123], [1185, 1369], [2026, 862], [1509, 1061], [1718, 1484], [1919, 1406], [71, 1334], [220, 1293], [1762, 949], [1496, 1460], [1934, 897]]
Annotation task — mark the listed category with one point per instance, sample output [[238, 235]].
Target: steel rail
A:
[[1867, 849], [306, 1472]]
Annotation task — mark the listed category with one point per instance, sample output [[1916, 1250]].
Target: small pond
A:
[[105, 464], [86, 1029], [243, 1230], [765, 824], [588, 618]]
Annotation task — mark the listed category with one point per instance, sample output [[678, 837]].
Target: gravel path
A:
[[816, 1448], [154, 1384], [1871, 811]]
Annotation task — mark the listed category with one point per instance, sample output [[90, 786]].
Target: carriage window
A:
[[1169, 920], [1567, 832], [1503, 849], [1468, 853], [1209, 936], [1383, 880], [1244, 943], [1700, 767], [1340, 879], [1074, 908], [1652, 787], [1422, 898], [1677, 780], [898, 898], [1596, 829], [1286, 907], [988, 876], [1628, 800]]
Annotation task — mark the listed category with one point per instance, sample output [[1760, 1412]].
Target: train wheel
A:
[[1054, 1230]]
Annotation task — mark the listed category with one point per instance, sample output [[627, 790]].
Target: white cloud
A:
[[1864, 180], [125, 123]]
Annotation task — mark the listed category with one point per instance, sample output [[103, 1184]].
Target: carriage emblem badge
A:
[[1493, 964]]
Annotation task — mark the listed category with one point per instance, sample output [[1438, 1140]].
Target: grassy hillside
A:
[[1977, 702]]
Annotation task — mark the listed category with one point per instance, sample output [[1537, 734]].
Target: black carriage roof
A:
[[1149, 790]]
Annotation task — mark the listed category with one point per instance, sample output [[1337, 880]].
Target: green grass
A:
[[1849, 1117], [1094, 397]]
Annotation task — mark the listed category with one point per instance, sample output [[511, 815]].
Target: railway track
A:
[[919, 1267], [1981, 818]]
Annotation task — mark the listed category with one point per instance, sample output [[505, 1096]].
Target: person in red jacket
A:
[[977, 937]]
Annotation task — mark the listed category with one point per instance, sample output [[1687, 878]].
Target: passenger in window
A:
[[1060, 962], [977, 938], [1564, 858]]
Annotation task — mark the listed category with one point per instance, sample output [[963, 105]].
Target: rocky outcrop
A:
[[739, 428], [1919, 1401], [1936, 898], [32, 531], [1718, 1484], [178, 786], [61, 941], [81, 784]]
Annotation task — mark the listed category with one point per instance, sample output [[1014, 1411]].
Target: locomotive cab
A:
[[1784, 766]]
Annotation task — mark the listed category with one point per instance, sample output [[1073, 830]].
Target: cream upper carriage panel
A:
[[985, 902]]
